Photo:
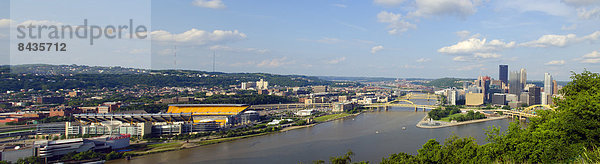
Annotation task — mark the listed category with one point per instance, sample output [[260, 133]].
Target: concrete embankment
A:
[[441, 124]]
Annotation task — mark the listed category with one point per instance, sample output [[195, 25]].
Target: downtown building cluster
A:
[[511, 88]]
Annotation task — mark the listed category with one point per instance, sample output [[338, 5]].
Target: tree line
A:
[[439, 113], [174, 78]]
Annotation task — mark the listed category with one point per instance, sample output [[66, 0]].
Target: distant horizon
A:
[[462, 78]]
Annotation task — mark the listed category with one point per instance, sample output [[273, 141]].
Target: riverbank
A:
[[180, 145], [426, 124]]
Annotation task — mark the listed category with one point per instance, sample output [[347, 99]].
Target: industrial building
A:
[[179, 119]]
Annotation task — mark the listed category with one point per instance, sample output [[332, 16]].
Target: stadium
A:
[[179, 119]]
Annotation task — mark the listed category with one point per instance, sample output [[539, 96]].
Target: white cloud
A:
[[560, 40], [376, 49], [555, 62], [590, 37], [474, 45], [571, 27], [580, 2], [213, 4], [4, 23], [388, 2], [336, 61], [460, 8], [396, 23], [551, 40], [591, 61], [422, 60], [198, 37], [274, 62], [592, 57], [239, 50], [339, 5], [460, 58], [584, 13]]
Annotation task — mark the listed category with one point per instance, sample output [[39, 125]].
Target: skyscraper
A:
[[534, 96], [515, 83], [503, 73], [523, 78], [548, 88], [554, 87]]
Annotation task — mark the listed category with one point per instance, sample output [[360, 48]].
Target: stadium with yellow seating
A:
[[225, 114], [179, 119]]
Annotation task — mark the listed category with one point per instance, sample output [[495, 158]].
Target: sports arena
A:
[[179, 119]]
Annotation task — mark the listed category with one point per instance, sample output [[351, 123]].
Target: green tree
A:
[[400, 158], [31, 160], [431, 152], [113, 155], [344, 159]]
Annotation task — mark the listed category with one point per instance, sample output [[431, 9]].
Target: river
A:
[[370, 136]]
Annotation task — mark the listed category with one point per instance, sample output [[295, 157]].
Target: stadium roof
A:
[[208, 109], [158, 117]]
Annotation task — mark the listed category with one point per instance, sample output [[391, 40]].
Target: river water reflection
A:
[[370, 136]]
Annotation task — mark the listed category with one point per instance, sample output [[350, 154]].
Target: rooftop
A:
[[209, 105]]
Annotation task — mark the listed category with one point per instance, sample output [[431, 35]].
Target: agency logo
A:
[[83, 31]]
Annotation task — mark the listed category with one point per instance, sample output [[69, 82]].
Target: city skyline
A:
[[372, 38]]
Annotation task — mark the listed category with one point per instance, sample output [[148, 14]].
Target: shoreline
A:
[[195, 144], [449, 124]]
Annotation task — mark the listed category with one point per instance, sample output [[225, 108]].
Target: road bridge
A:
[[396, 103], [528, 112], [427, 96]]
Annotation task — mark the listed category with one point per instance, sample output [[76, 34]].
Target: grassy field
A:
[[164, 145], [155, 148], [220, 140], [447, 119], [330, 117]]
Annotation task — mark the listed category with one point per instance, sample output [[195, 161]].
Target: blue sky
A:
[[389, 38]]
